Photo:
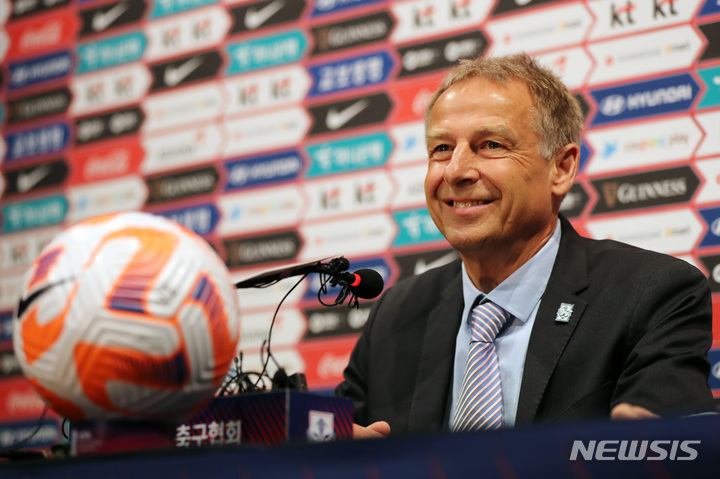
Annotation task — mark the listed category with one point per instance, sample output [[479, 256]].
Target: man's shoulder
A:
[[429, 283], [626, 257], [433, 275]]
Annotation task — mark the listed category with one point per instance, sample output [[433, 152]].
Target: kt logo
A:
[[658, 8], [621, 16]]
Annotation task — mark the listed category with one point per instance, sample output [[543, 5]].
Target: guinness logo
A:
[[37, 106], [352, 33], [262, 249], [185, 184], [321, 39], [610, 192], [642, 190]]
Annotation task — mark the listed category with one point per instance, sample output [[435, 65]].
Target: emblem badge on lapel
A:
[[564, 312]]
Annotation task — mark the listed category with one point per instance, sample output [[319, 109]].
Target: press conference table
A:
[[537, 451]]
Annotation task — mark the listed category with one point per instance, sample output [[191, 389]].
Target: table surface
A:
[[690, 446]]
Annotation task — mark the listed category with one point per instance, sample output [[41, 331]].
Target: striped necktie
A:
[[480, 402]]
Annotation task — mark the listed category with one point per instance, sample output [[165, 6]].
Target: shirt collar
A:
[[522, 290]]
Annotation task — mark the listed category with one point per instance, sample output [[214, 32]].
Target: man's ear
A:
[[565, 167]]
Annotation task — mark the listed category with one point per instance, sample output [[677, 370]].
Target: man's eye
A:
[[493, 145], [442, 148]]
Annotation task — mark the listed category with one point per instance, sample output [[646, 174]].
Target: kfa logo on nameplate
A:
[[321, 426]]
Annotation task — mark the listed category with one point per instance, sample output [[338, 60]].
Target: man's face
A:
[[487, 187]]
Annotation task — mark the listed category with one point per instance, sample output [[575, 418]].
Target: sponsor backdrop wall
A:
[[289, 130]]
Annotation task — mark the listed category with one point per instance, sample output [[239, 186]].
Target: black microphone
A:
[[334, 267], [364, 283]]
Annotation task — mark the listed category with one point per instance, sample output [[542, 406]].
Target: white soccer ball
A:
[[127, 316]]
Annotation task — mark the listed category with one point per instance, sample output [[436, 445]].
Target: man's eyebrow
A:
[[496, 130], [507, 134], [436, 135]]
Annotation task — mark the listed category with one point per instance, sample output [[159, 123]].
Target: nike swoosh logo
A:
[[174, 75], [26, 302], [26, 181], [102, 20], [337, 119], [255, 18], [421, 266]]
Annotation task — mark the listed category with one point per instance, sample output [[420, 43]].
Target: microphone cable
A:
[[263, 372], [326, 279], [15, 449], [364, 283]]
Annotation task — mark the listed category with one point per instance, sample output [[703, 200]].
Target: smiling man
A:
[[535, 322]]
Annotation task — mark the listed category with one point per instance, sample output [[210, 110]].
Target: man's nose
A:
[[462, 167]]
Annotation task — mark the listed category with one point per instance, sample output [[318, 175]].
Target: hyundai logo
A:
[[612, 105], [715, 227], [716, 370], [716, 274]]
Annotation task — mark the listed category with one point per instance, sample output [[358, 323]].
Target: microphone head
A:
[[371, 284]]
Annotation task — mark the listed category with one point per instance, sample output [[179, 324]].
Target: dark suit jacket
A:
[[639, 332]]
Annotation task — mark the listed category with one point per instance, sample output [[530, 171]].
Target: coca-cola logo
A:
[[421, 100], [116, 162], [331, 365], [23, 403]]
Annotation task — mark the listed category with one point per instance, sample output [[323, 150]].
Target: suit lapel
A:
[[436, 361], [551, 332]]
